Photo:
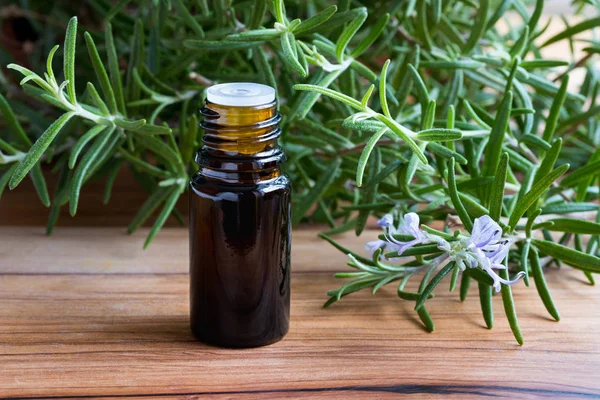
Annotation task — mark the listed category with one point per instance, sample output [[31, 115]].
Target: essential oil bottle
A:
[[240, 221]]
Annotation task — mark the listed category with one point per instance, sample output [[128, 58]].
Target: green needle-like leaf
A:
[[432, 284], [453, 64], [574, 258], [534, 194], [188, 18], [445, 152], [150, 205], [497, 193], [573, 30], [369, 195], [480, 276], [279, 11], [161, 149], [478, 29], [535, 16], [567, 208], [403, 133], [98, 65], [422, 92], [371, 37], [331, 93], [49, 67], [494, 146], [259, 35], [485, 301], [574, 226], [110, 180], [4, 178], [346, 251], [113, 68], [11, 121], [581, 174], [465, 282], [509, 308], [554, 114], [384, 173], [83, 140], [315, 21], [382, 92], [364, 157], [262, 64], [521, 44], [218, 45], [415, 251], [88, 159], [98, 102], [439, 135], [142, 165], [316, 191], [503, 6], [35, 152], [39, 182], [458, 206], [69, 58], [365, 100], [525, 261], [168, 208], [426, 319], [348, 33], [130, 125], [541, 286], [541, 63], [454, 278]]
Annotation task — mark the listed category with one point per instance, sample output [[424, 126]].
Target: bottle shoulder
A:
[[200, 185]]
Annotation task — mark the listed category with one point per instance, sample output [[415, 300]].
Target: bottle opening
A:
[[240, 94]]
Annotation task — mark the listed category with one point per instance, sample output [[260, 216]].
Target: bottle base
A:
[[236, 343]]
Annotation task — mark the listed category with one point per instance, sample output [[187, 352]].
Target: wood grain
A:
[[86, 313]]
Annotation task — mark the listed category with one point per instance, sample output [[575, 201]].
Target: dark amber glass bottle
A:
[[240, 221]]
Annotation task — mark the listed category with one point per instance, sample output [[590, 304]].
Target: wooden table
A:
[[87, 313]]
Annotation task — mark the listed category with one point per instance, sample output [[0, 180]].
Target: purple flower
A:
[[490, 249], [409, 226], [485, 231], [387, 221], [495, 260], [373, 245], [485, 248]]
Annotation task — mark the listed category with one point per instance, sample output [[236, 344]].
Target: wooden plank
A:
[[119, 332]]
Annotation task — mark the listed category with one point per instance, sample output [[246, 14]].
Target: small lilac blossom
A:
[[485, 232], [409, 226], [387, 223], [374, 245], [485, 248], [349, 185]]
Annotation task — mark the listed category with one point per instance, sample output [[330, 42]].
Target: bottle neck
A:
[[240, 143]]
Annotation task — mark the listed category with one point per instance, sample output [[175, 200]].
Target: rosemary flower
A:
[[485, 248]]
